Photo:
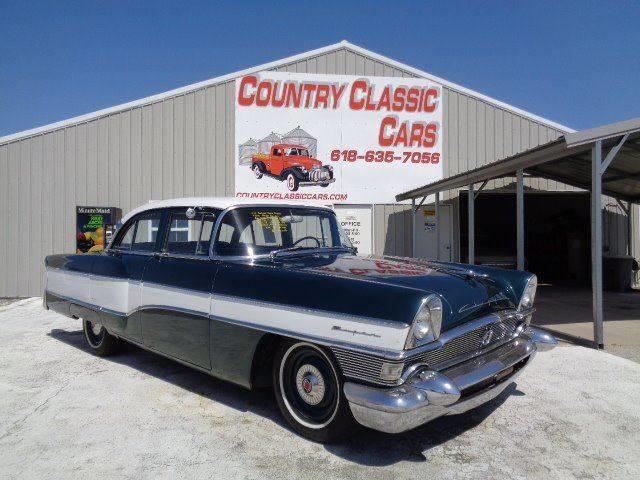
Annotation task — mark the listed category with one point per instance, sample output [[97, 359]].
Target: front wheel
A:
[[309, 393], [99, 340], [292, 182]]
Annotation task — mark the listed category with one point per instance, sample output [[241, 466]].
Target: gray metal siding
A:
[[184, 146], [477, 133], [392, 225]]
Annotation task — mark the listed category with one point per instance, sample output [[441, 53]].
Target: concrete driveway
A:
[[64, 413]]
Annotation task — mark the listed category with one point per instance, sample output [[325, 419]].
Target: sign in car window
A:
[[336, 138]]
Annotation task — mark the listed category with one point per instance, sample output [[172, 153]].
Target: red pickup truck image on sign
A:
[[293, 164]]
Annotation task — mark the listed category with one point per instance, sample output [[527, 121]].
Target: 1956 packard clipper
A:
[[272, 294]]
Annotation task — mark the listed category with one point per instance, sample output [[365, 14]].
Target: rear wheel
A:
[[99, 340], [292, 182], [309, 393], [257, 171]]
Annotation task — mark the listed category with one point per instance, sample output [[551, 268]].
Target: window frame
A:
[[166, 225], [215, 256], [133, 221]]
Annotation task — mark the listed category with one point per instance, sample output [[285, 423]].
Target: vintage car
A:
[[292, 164], [275, 295]]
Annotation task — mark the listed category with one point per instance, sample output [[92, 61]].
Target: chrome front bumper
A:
[[306, 183], [427, 394]]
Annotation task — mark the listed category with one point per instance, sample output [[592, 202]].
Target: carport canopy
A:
[[603, 160]]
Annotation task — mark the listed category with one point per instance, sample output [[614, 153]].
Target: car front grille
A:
[[368, 367], [319, 174], [467, 343]]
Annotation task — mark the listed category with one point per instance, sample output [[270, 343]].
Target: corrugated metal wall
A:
[[183, 146]]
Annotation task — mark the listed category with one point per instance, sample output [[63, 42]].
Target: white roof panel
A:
[[215, 202]]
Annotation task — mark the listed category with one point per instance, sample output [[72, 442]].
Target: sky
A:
[[574, 62]]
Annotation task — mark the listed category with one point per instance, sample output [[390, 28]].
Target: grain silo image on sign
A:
[[264, 145], [246, 151], [298, 136]]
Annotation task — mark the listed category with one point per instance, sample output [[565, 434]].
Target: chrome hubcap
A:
[[256, 171], [310, 384], [290, 181], [96, 328]]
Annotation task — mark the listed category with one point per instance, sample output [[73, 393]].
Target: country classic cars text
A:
[[361, 95]]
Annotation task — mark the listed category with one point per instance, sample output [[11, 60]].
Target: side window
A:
[[189, 236], [226, 233], [144, 239], [140, 233], [126, 239]]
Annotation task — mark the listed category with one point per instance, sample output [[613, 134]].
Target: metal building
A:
[[182, 143]]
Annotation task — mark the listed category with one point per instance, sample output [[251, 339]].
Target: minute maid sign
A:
[[336, 138]]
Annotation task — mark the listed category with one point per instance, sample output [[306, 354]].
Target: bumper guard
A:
[[427, 395]]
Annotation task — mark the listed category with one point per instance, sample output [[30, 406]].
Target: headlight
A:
[[427, 322], [529, 294]]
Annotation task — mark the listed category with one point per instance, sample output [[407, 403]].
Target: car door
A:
[[176, 289], [277, 161], [116, 276]]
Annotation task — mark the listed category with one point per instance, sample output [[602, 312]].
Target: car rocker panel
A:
[[401, 341]]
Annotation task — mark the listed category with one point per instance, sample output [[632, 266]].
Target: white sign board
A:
[[370, 137], [357, 224]]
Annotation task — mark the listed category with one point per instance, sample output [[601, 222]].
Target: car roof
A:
[[216, 202]]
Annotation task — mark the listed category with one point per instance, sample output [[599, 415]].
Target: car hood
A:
[[307, 162], [466, 294]]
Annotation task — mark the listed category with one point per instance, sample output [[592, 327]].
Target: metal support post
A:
[[596, 243], [437, 225], [520, 219], [471, 227], [413, 227], [629, 229]]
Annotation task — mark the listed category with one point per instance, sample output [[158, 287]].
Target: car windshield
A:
[[250, 231]]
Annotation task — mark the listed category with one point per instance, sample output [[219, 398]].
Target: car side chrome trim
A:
[[388, 354], [328, 342], [171, 308], [313, 311], [383, 353], [72, 272]]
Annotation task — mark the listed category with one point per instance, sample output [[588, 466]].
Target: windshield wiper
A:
[[279, 251], [275, 253]]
